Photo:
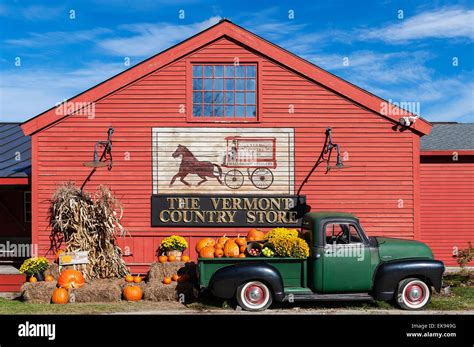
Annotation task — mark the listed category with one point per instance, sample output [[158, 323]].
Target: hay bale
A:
[[101, 290], [52, 270], [160, 270], [157, 291], [38, 292]]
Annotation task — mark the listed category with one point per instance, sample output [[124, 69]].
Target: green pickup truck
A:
[[344, 265]]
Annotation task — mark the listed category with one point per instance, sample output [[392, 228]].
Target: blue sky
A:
[[405, 51]]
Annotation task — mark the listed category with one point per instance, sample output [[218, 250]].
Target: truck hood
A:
[[394, 249]]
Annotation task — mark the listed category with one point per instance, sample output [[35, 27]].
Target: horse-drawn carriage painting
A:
[[256, 155], [224, 160]]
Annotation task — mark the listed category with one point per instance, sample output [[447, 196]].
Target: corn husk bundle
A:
[[89, 223]]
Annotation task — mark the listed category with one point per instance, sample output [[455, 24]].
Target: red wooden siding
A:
[[447, 204], [379, 187]]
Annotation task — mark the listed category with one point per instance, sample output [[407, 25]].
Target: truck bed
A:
[[292, 270]]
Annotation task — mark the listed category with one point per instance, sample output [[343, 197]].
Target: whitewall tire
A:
[[413, 294], [254, 296]]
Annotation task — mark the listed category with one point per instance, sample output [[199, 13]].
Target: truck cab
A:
[[344, 264]]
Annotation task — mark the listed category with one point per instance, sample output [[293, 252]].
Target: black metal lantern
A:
[[325, 156], [106, 157]]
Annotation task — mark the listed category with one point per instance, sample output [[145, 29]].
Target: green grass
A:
[[462, 298], [19, 307]]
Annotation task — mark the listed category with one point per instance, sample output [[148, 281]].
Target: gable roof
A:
[[225, 28], [15, 151], [449, 136]]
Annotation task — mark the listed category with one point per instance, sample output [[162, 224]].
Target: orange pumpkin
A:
[[222, 240], [174, 277], [207, 252], [219, 253], [255, 235], [231, 249], [219, 246], [172, 258], [33, 279], [60, 296], [137, 279], [129, 278], [162, 258], [185, 258], [241, 255], [70, 278], [206, 242], [240, 241], [242, 249], [132, 293], [167, 280], [49, 278]]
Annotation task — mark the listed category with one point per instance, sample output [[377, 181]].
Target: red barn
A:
[[223, 90], [447, 189]]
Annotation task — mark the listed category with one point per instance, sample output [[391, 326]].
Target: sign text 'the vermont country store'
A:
[[231, 211]]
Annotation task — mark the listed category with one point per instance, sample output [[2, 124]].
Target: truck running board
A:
[[328, 297]]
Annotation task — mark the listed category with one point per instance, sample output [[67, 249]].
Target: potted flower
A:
[[34, 267], [173, 245]]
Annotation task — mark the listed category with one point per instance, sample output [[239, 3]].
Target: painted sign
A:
[[227, 210], [223, 160], [74, 258]]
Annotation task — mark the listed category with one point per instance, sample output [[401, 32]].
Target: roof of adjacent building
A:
[[449, 136], [15, 151]]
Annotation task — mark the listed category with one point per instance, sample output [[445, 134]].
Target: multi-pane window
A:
[[225, 91]]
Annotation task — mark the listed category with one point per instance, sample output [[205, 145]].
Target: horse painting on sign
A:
[[191, 165]]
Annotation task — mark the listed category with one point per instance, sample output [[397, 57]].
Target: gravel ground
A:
[[174, 309]]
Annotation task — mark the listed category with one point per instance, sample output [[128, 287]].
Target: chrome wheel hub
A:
[[255, 294]]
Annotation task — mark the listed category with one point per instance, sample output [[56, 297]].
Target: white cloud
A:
[[55, 38], [39, 12], [454, 102], [150, 39], [365, 66], [440, 23], [32, 12], [24, 93]]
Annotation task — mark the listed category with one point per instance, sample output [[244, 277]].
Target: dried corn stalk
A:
[[89, 223]]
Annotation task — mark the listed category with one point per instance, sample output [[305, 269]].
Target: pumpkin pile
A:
[[281, 242], [164, 258], [225, 246]]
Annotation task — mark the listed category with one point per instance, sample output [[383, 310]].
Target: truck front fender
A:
[[225, 281], [389, 274]]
